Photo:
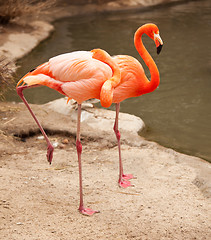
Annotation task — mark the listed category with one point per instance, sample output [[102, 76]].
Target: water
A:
[[178, 113]]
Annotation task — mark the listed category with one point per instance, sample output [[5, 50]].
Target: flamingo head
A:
[[153, 32]]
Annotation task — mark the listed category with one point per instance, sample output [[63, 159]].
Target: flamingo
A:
[[79, 75], [134, 82], [76, 76]]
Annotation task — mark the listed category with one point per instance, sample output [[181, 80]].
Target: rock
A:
[[100, 119], [19, 44], [65, 141]]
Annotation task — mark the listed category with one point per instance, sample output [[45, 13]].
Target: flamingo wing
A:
[[74, 66]]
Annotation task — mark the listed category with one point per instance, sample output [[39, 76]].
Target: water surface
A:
[[178, 113]]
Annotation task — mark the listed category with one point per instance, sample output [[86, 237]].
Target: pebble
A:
[[19, 223], [40, 137], [65, 141], [55, 144]]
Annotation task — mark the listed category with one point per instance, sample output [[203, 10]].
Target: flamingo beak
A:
[[158, 42]]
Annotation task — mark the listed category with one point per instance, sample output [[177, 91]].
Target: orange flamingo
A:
[[134, 81], [72, 75]]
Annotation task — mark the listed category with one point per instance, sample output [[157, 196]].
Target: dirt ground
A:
[[170, 198]]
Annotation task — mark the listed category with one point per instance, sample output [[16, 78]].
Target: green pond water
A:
[[178, 113]]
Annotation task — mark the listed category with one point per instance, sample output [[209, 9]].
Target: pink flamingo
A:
[[79, 75], [85, 75]]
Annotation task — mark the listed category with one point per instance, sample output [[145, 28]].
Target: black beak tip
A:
[[159, 48]]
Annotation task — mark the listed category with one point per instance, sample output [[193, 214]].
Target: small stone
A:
[[65, 141], [40, 137], [55, 144], [19, 223]]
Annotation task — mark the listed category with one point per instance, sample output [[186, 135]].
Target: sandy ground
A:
[[169, 199]]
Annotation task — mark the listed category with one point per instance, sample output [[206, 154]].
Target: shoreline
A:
[[23, 34]]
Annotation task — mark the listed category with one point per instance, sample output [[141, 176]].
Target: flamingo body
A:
[[133, 78], [76, 75]]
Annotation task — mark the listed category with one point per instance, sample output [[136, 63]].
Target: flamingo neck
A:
[[155, 77], [103, 56], [106, 93]]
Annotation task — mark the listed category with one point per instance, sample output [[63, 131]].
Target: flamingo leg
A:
[[123, 178], [82, 209], [50, 148]]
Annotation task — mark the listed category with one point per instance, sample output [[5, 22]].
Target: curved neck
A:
[[155, 77]]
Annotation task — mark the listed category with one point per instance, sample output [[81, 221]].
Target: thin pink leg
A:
[[85, 211], [50, 147], [122, 177]]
